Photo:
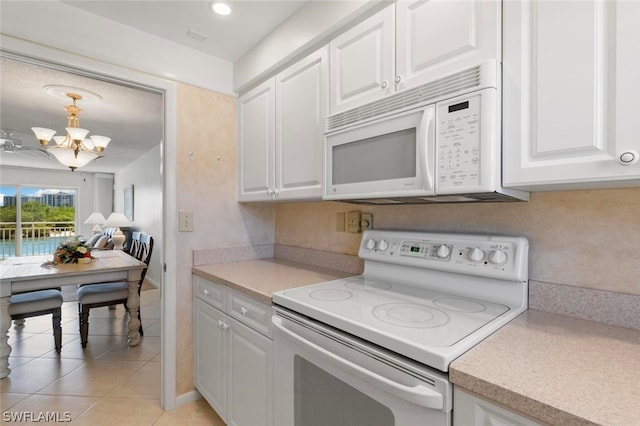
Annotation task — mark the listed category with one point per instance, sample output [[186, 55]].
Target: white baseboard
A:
[[188, 397], [152, 282]]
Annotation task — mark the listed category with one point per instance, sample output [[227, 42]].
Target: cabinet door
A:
[[567, 93], [256, 141], [210, 356], [250, 377], [362, 62], [301, 107], [435, 38], [628, 82]]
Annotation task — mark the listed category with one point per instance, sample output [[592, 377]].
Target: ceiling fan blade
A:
[[32, 152]]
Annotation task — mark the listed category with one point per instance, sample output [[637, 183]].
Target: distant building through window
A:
[[35, 220]]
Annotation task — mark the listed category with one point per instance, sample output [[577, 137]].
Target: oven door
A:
[[324, 377]]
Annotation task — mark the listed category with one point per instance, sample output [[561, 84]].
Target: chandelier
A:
[[75, 149]]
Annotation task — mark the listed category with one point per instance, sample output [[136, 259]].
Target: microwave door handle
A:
[[426, 124], [419, 394]]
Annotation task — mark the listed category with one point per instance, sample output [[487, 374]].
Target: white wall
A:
[[57, 179], [144, 175]]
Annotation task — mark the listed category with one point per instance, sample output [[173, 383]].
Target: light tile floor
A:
[[108, 383]]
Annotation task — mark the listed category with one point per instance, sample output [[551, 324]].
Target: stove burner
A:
[[459, 304], [367, 285], [410, 315], [331, 295]]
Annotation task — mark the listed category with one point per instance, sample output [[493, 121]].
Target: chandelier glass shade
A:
[[73, 150]]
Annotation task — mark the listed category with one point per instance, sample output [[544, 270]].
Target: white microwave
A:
[[440, 142]]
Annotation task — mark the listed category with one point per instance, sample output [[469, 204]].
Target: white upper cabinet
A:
[[571, 94], [281, 133], [411, 43], [301, 106], [438, 37], [256, 142], [362, 62]]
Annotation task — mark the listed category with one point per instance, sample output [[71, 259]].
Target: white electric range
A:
[[390, 334]]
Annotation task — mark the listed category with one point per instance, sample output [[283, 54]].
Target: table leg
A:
[[5, 349], [133, 303]]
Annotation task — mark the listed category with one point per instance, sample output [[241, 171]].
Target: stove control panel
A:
[[483, 255], [440, 252]]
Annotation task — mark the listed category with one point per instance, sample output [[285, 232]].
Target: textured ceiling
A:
[[131, 117]]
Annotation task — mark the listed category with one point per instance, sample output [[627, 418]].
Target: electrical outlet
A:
[[340, 222], [366, 221], [353, 222]]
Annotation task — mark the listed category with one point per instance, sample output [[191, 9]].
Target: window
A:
[[44, 216]]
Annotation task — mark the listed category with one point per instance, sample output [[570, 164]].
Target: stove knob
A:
[[383, 245], [498, 257], [476, 254], [370, 244], [443, 252]]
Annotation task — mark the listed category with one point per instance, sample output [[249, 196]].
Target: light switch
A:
[[185, 222]]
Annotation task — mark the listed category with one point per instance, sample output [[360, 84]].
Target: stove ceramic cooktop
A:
[[412, 321]]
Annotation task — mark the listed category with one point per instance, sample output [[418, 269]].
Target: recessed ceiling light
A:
[[220, 8]]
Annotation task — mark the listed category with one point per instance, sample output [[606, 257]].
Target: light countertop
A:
[[553, 368], [260, 278], [560, 370]]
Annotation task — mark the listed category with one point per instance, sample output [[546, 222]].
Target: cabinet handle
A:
[[243, 311], [384, 84], [275, 194], [628, 158], [205, 291], [222, 325], [398, 79]]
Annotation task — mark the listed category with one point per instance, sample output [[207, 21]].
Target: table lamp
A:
[[117, 220], [96, 219]]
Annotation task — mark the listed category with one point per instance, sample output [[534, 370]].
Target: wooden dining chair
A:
[[113, 293], [134, 244], [36, 303]]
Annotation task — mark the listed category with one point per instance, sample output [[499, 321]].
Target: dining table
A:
[[27, 273]]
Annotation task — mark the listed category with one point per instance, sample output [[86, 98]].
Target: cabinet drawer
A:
[[209, 292], [250, 312]]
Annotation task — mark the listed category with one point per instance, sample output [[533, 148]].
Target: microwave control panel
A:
[[458, 142]]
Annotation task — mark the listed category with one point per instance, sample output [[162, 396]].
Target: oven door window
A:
[[321, 399]]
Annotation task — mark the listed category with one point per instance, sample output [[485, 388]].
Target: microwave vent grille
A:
[[454, 83]]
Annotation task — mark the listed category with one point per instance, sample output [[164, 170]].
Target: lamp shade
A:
[[67, 157], [95, 218], [43, 134], [118, 220]]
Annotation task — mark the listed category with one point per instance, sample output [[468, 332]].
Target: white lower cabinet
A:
[[471, 410], [233, 361]]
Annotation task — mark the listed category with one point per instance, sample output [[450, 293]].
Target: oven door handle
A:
[[419, 394]]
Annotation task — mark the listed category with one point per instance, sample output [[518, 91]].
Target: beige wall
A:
[[580, 238], [206, 129]]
